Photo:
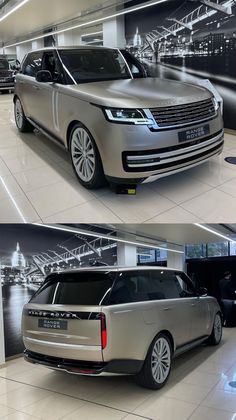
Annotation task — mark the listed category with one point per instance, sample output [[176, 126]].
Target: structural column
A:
[[176, 260], [114, 33], [126, 255], [22, 50]]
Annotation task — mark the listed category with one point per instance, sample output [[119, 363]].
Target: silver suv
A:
[[118, 320], [116, 123]]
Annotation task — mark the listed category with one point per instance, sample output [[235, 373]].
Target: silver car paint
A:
[[56, 107]]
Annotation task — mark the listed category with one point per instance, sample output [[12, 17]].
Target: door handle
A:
[[166, 309], [36, 87]]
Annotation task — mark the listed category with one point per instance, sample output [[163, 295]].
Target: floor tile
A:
[[212, 173], [41, 177], [17, 415], [194, 394], [54, 407], [22, 397], [9, 187], [180, 188], [213, 205], [7, 385], [17, 210], [24, 163], [204, 413], [4, 170], [165, 409], [5, 411], [95, 412], [220, 399], [58, 197], [229, 187], [202, 379], [136, 209], [174, 214], [90, 212]]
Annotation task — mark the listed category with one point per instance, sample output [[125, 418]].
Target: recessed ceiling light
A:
[[14, 9], [215, 232]]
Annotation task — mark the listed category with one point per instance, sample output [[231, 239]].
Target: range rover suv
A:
[[118, 320], [7, 75], [117, 123]]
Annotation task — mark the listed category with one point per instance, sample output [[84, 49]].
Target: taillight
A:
[[103, 331]]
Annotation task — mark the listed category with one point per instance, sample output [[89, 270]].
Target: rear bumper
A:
[[81, 367]]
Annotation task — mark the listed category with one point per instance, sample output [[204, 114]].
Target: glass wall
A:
[[217, 249]]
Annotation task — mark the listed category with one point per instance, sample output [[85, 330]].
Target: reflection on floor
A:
[[37, 184], [198, 389]]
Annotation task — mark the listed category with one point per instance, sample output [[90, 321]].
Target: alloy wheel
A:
[[161, 360], [217, 328], [83, 154], [18, 114]]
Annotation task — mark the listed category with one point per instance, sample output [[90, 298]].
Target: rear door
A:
[[63, 319]]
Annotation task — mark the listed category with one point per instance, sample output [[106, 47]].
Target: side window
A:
[[184, 284], [131, 286], [32, 64], [163, 285], [51, 63], [136, 68]]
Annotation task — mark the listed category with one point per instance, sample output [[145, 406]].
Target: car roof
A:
[[72, 47], [114, 269]]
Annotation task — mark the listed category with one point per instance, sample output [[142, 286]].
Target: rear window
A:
[[86, 288]]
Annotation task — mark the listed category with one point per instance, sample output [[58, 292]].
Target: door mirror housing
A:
[[44, 76], [202, 291]]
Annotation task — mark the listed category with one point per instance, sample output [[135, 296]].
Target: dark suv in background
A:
[[7, 75]]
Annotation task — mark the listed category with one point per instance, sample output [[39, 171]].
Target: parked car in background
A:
[[7, 75], [118, 320], [118, 124]]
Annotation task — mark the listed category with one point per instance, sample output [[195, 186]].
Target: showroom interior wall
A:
[[204, 49]]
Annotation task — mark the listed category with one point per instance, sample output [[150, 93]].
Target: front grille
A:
[[184, 114]]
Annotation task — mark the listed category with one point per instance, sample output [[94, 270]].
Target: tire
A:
[[85, 158], [155, 373], [22, 123], [216, 334]]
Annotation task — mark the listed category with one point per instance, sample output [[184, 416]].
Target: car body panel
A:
[[55, 107], [130, 327]]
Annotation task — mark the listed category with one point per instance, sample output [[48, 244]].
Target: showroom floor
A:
[[37, 184], [197, 389]]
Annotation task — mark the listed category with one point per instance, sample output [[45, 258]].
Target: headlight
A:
[[216, 104], [128, 116]]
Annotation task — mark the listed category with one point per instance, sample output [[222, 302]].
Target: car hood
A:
[[139, 93]]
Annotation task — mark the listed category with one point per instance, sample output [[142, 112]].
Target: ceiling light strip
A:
[[14, 9], [109, 238], [214, 232], [92, 22]]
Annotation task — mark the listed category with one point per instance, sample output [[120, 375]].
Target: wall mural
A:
[[27, 254], [189, 41]]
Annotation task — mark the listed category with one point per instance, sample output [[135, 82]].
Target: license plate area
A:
[[193, 133], [53, 324]]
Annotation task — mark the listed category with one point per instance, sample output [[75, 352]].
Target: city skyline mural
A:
[[27, 254], [189, 41]]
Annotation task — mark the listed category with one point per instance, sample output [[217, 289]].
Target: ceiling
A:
[[179, 234], [37, 15]]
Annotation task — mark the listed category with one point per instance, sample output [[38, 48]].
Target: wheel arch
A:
[[168, 335], [69, 130]]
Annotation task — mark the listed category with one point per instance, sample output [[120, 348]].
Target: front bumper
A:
[[7, 85], [135, 154], [81, 367]]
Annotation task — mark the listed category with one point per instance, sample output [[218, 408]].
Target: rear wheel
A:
[[157, 366], [85, 158], [216, 334], [22, 123]]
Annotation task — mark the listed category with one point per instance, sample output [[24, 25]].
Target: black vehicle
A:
[[7, 75]]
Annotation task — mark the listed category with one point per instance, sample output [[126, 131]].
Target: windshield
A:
[[4, 65], [95, 65]]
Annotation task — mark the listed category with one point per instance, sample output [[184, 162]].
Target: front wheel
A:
[[22, 123], [216, 334], [85, 158], [157, 366]]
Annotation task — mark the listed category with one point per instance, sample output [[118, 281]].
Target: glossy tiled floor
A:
[[198, 389], [37, 184]]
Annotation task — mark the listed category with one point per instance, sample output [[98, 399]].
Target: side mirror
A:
[[202, 291], [44, 76]]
